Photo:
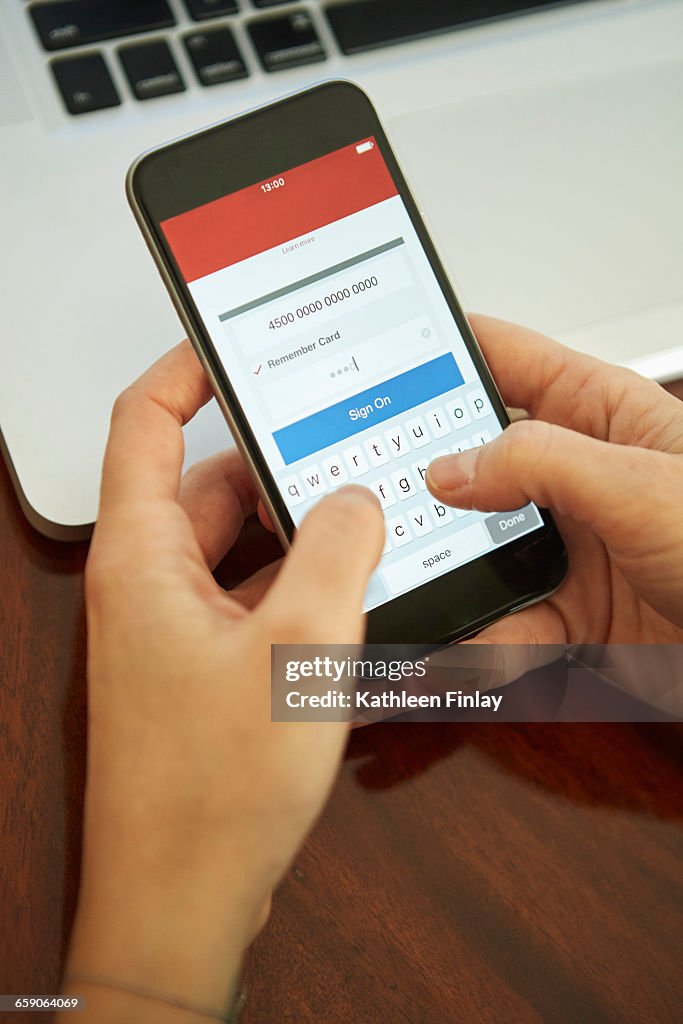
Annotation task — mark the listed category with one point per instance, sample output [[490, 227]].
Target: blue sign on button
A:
[[364, 410]]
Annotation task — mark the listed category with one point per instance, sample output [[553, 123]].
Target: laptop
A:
[[543, 142]]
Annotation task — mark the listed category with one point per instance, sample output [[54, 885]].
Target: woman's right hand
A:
[[603, 450]]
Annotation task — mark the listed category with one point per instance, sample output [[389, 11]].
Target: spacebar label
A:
[[437, 558]]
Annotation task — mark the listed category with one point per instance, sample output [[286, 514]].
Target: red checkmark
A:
[[258, 369]]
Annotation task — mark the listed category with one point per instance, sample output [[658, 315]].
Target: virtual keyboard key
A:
[[398, 530], [376, 452], [396, 442], [151, 70], [419, 471], [287, 41], [85, 83], [77, 22], [441, 514], [420, 522], [440, 556], [314, 481], [479, 404], [403, 485], [215, 56], [335, 471], [460, 416], [292, 490], [438, 423], [503, 526], [355, 460], [382, 488], [417, 432], [462, 446]]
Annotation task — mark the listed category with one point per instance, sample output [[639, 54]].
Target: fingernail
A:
[[451, 472]]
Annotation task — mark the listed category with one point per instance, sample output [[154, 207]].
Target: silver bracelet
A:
[[232, 1015]]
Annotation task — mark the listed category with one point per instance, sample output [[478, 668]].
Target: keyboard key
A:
[[355, 460], [200, 10], [366, 24], [417, 432], [437, 557], [396, 442], [458, 412], [287, 41], [151, 69], [419, 471], [85, 83], [376, 451], [438, 423], [215, 56], [399, 531], [420, 522], [441, 514], [75, 22], [403, 485], [479, 404], [335, 471], [382, 488], [314, 481], [502, 526], [483, 437], [292, 490], [462, 446]]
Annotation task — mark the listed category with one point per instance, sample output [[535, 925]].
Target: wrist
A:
[[182, 934], [108, 1002]]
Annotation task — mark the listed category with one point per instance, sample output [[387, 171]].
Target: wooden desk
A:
[[470, 874]]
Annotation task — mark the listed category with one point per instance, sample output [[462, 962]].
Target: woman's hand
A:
[[602, 450], [196, 802]]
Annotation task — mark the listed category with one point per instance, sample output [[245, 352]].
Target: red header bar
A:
[[247, 222]]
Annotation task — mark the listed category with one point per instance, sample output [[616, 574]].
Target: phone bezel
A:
[[270, 141]]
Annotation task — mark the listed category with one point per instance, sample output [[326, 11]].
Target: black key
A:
[[287, 41], [366, 24], [216, 56], [200, 10], [151, 69], [85, 83], [75, 22]]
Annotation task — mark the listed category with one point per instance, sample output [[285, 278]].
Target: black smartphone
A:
[[308, 284]]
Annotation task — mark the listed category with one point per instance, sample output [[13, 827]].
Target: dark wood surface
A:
[[474, 874]]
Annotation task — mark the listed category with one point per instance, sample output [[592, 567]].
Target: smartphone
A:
[[309, 286]]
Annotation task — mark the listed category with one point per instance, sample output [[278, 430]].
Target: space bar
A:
[[366, 24]]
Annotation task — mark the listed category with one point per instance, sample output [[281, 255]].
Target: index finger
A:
[[144, 456]]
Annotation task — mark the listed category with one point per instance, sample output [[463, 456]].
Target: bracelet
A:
[[230, 1017]]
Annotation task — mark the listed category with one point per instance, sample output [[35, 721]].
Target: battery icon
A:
[[365, 147]]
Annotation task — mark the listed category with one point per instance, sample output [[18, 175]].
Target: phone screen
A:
[[335, 334]]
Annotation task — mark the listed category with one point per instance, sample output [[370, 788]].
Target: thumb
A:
[[608, 487], [318, 594]]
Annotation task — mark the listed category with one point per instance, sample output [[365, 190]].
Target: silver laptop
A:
[[545, 150]]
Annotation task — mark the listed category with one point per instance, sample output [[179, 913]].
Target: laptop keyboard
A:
[[280, 34]]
